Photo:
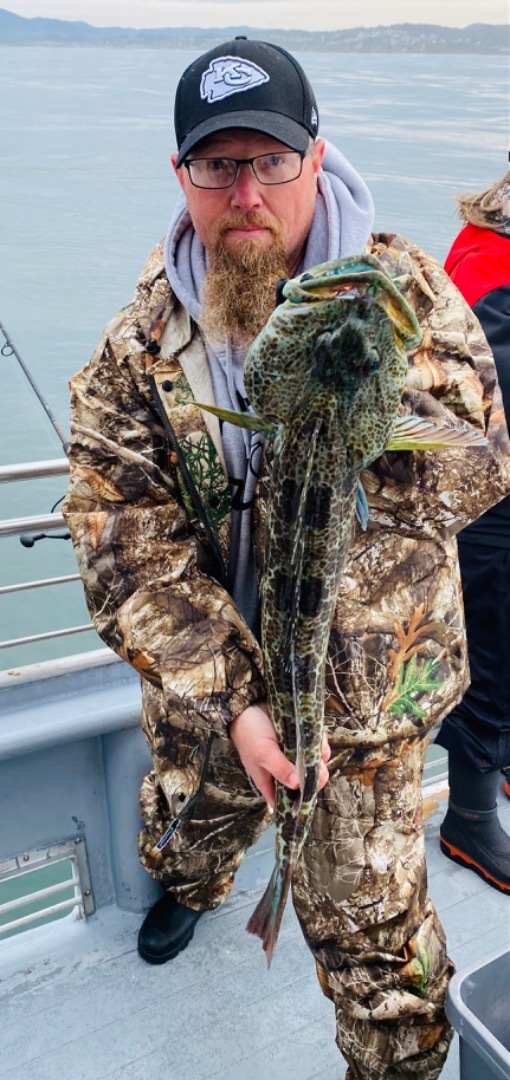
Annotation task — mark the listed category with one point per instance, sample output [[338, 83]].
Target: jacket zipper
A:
[[176, 823]]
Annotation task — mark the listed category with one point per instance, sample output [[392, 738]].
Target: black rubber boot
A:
[[166, 930], [472, 834]]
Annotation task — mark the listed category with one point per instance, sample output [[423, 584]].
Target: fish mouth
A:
[[354, 278]]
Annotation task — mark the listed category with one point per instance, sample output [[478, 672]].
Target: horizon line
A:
[[245, 26]]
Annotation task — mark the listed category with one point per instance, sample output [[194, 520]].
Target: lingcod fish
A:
[[325, 379]]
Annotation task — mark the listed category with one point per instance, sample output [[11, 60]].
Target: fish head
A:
[[342, 331]]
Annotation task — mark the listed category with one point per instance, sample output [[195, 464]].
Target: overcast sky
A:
[[289, 14]]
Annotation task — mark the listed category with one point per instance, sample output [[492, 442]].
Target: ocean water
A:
[[87, 189]]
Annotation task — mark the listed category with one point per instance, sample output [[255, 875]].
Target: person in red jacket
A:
[[477, 732]]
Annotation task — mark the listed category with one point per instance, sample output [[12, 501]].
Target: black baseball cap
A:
[[245, 84]]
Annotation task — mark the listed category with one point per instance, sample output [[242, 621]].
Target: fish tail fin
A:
[[266, 919]]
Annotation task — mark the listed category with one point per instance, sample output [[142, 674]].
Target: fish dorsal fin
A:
[[415, 433]]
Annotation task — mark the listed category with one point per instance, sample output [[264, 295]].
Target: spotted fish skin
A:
[[326, 377], [328, 371]]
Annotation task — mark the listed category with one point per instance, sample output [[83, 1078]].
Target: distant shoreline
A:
[[184, 45], [484, 39], [178, 46], [190, 48]]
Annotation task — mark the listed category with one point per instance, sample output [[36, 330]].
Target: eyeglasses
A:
[[219, 172]]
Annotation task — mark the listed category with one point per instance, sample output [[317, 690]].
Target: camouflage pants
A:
[[360, 893]]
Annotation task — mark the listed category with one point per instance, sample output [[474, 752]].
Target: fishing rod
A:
[[9, 349]]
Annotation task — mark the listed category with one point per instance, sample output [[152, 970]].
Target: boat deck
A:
[[77, 1003]]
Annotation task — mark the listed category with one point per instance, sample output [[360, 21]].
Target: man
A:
[[167, 514]]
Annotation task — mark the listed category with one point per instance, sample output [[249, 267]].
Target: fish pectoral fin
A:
[[415, 433], [362, 511], [243, 420]]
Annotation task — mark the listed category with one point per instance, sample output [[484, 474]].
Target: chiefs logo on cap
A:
[[230, 75]]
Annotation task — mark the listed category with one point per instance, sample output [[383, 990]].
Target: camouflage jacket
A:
[[150, 555]]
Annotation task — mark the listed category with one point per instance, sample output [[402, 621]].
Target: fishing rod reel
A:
[[29, 539]]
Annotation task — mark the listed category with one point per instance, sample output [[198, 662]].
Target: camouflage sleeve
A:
[[145, 572], [452, 380]]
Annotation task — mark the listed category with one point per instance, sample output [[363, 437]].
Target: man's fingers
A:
[[265, 784], [255, 739], [323, 776], [282, 770], [274, 767], [326, 749], [285, 774]]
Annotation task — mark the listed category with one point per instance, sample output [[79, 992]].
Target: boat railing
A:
[[32, 528], [436, 765]]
